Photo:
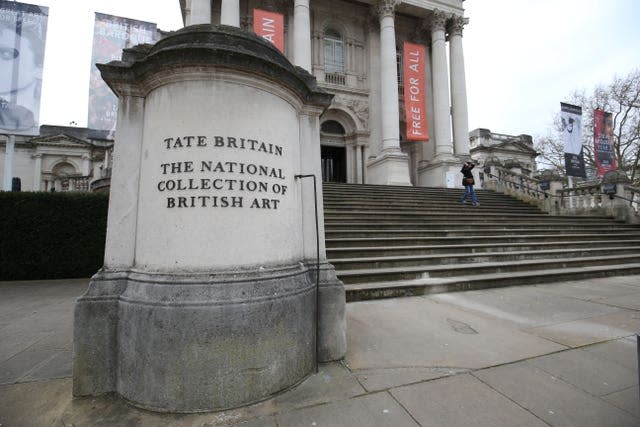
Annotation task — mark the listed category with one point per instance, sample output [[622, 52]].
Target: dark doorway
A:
[[334, 165]]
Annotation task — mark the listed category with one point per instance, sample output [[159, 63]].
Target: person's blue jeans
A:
[[469, 191]]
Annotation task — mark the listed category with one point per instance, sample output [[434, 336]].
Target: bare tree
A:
[[622, 99]]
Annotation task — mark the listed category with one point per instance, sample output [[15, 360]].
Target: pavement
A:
[[558, 354]]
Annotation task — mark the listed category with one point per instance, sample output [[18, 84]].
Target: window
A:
[[333, 52], [332, 127]]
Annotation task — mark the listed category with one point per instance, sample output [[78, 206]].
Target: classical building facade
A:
[[60, 158], [513, 152], [354, 49]]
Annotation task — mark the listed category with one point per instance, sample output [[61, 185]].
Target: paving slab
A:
[[527, 306], [624, 352], [623, 301], [551, 399], [377, 379], [628, 400], [333, 383], [372, 410], [590, 330], [592, 289], [419, 332], [588, 372], [34, 404], [507, 354], [18, 367], [462, 401]]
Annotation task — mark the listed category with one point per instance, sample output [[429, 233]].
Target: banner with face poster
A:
[[413, 60], [269, 26], [571, 122], [23, 33], [111, 34], [603, 149]]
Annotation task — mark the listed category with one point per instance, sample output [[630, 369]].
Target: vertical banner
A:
[[111, 34], [269, 26], [414, 91], [603, 143], [23, 33], [571, 122]]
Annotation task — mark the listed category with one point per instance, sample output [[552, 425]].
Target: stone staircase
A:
[[389, 241]]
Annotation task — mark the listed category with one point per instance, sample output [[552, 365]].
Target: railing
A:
[[335, 79], [517, 185], [610, 198], [75, 183]]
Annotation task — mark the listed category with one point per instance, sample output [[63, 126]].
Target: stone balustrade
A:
[[610, 197]]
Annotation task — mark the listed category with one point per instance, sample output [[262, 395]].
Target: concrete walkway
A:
[[561, 354]]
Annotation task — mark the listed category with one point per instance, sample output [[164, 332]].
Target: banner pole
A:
[[570, 184]]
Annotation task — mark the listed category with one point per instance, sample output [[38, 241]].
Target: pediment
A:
[[60, 140]]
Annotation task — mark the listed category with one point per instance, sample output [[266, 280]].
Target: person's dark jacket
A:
[[466, 172]]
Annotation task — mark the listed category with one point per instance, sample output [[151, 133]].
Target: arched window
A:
[[332, 127], [333, 52]]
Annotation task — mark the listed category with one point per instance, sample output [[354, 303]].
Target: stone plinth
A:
[[207, 297]]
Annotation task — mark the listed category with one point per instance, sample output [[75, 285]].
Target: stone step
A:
[[470, 230], [419, 201], [453, 270], [441, 259], [472, 214], [472, 248], [441, 227], [465, 238], [425, 286], [393, 241]]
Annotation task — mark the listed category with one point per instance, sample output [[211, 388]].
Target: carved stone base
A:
[[389, 168], [192, 343], [442, 171]]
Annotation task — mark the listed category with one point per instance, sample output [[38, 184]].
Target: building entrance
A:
[[334, 164]]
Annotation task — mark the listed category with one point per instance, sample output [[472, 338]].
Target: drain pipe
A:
[[315, 204]]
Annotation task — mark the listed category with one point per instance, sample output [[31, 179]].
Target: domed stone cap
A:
[[217, 45]]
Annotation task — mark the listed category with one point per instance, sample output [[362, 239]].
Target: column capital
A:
[[456, 25], [439, 20], [387, 8]]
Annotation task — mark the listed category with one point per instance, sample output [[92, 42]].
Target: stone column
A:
[[200, 12], [442, 132], [37, 172], [359, 164], [391, 166], [389, 77], [123, 204], [168, 325], [8, 162], [458, 88], [332, 339], [85, 164], [302, 35], [230, 13]]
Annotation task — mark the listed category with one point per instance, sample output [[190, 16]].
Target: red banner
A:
[[269, 26], [414, 58], [603, 143]]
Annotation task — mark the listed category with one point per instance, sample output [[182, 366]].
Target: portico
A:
[[365, 40]]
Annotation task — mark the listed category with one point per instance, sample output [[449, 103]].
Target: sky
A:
[[522, 57], [67, 62]]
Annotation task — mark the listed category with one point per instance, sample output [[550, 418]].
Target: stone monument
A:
[[207, 296]]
